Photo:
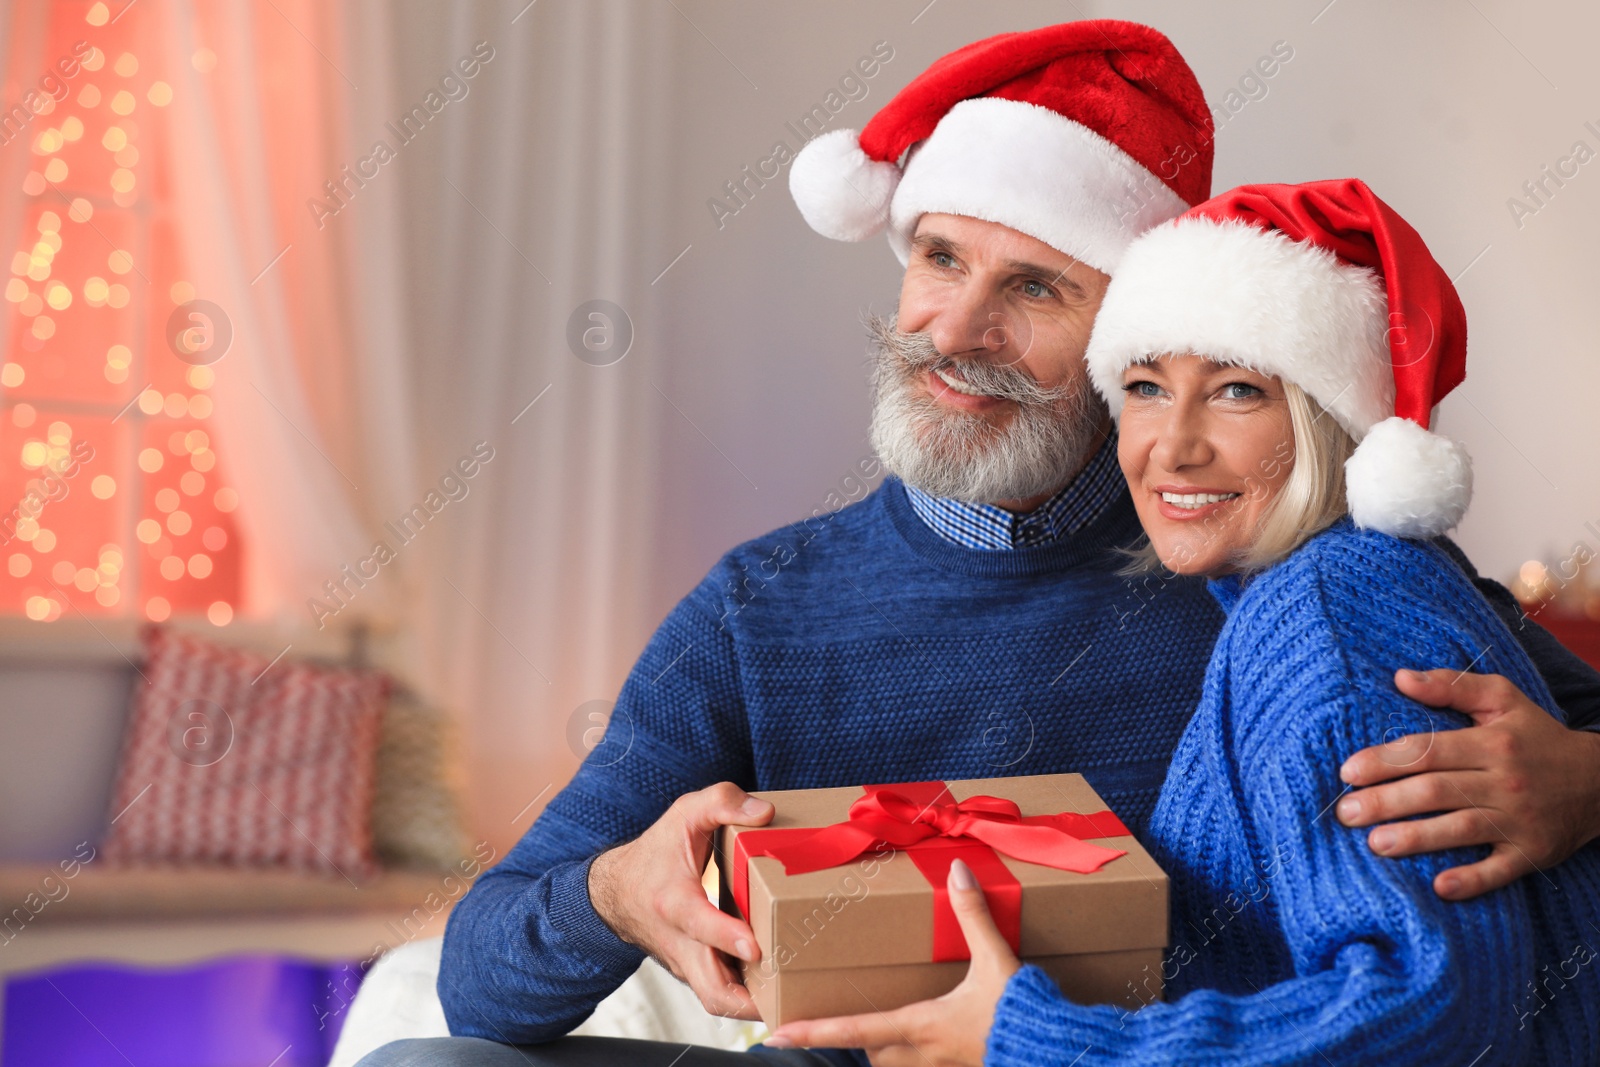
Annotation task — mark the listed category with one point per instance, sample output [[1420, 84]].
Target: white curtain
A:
[[312, 404], [531, 196]]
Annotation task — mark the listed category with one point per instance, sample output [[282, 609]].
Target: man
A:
[[967, 619]]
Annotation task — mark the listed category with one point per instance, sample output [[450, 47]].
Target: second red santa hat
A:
[[1326, 286]]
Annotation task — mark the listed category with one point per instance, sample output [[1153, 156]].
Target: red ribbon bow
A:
[[924, 821]]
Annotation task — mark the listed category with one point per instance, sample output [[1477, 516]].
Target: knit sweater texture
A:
[[1292, 942], [857, 647]]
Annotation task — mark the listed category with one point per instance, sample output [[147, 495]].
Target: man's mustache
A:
[[913, 352]]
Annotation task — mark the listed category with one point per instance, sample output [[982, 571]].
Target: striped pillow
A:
[[233, 758]]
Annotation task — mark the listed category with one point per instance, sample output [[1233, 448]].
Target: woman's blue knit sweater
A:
[[1292, 941]]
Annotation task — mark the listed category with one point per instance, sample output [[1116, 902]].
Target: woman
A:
[[1250, 345]]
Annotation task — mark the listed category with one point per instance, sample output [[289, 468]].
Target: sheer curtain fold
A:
[[538, 196], [314, 464]]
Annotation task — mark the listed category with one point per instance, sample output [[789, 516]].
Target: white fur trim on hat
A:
[[1252, 297], [1406, 481], [1036, 171], [840, 192]]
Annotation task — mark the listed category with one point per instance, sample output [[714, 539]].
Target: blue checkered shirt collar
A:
[[986, 526]]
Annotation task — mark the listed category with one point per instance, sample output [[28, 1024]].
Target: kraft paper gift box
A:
[[862, 926]]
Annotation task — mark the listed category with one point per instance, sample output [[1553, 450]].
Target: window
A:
[[113, 498]]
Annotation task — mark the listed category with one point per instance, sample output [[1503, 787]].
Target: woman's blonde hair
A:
[[1310, 500]]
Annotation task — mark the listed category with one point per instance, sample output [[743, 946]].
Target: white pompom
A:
[[1405, 481], [840, 191]]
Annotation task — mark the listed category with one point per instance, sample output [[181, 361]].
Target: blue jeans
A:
[[579, 1052]]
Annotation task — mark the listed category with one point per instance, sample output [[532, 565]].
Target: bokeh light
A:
[[110, 519]]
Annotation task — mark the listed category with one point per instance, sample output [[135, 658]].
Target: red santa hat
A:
[[1083, 135], [1323, 285]]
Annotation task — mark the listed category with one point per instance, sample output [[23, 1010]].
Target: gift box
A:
[[845, 891]]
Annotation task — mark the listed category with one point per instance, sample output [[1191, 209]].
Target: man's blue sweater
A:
[[859, 647], [1293, 943]]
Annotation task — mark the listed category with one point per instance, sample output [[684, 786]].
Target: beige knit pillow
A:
[[417, 817]]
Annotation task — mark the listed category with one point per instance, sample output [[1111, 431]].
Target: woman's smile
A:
[[1187, 502]]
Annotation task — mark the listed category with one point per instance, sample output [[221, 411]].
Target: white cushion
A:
[[398, 1000]]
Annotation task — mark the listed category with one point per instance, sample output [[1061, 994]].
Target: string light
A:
[[178, 527]]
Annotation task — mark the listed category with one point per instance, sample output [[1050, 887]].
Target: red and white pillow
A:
[[233, 758]]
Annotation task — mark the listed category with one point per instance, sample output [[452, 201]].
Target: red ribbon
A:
[[923, 820]]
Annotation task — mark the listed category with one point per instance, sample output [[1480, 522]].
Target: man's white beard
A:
[[950, 453]]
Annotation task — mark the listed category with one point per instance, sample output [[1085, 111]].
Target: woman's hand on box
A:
[[951, 1031], [649, 893]]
